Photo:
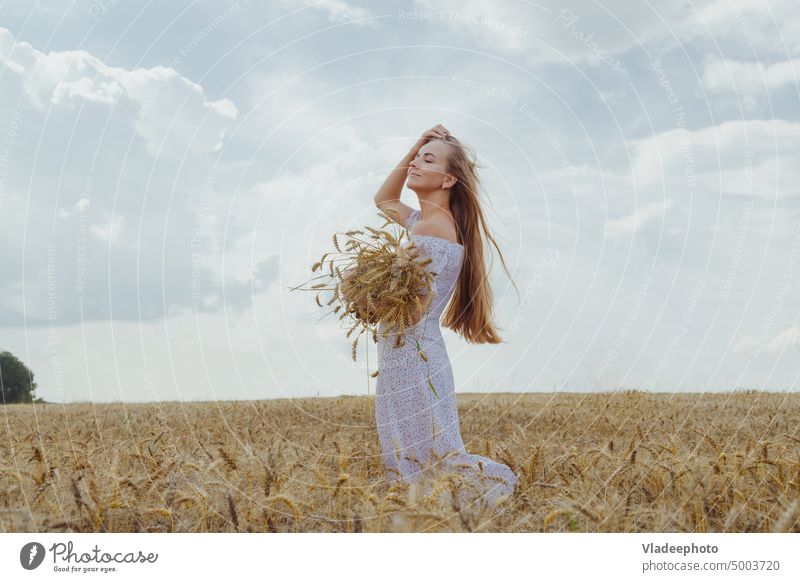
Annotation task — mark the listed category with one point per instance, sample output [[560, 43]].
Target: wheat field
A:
[[604, 462]]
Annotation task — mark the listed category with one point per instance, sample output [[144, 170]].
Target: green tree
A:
[[16, 380]]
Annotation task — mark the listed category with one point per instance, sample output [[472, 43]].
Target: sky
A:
[[169, 169]]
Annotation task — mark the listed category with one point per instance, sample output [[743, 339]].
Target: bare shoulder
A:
[[439, 226], [396, 210]]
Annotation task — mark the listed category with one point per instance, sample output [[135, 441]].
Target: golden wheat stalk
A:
[[378, 284]]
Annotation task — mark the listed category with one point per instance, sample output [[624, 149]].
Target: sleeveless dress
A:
[[419, 433]]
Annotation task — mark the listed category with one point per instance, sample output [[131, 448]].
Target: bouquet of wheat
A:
[[378, 284]]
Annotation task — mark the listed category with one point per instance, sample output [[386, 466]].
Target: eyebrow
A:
[[427, 154]]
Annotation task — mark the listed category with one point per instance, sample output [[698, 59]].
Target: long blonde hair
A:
[[470, 311]]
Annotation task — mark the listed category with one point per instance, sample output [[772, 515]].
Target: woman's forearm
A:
[[392, 186]]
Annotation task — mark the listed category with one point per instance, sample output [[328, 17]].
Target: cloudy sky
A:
[[168, 170]]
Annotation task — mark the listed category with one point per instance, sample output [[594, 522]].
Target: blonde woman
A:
[[419, 431]]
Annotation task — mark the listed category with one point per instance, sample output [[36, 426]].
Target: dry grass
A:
[[626, 462], [378, 284]]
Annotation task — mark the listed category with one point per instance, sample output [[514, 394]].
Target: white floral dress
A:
[[419, 432]]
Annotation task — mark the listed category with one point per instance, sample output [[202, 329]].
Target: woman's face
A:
[[428, 170]]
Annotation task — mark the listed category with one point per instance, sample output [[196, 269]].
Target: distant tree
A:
[[16, 380]]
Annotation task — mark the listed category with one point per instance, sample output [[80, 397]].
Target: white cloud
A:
[[337, 10], [766, 28], [283, 117], [551, 30], [566, 31], [748, 78], [785, 339], [122, 222], [110, 230], [174, 114], [716, 158], [745, 343], [638, 219]]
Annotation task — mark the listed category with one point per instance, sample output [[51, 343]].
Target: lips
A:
[[410, 173]]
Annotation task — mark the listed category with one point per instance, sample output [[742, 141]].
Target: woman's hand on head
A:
[[437, 132]]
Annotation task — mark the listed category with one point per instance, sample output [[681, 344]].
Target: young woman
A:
[[419, 432]]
